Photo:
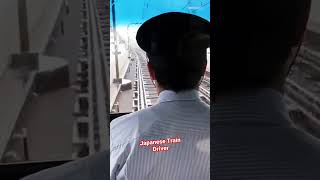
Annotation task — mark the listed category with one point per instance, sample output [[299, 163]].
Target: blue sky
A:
[[138, 11]]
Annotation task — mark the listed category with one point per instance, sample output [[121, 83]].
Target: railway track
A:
[[92, 98], [204, 89], [204, 95], [311, 56], [303, 88], [147, 92], [99, 28], [307, 101]]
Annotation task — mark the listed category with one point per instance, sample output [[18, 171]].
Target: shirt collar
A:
[[169, 95], [261, 105]]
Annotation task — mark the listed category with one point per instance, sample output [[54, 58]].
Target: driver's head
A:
[[176, 45], [255, 42]]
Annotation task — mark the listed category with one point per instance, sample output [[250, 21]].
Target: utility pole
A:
[[137, 23], [23, 26], [117, 80]]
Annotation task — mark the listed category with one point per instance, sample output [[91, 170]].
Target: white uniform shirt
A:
[[184, 119], [254, 139]]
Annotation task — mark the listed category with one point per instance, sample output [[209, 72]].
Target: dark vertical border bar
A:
[[214, 11]]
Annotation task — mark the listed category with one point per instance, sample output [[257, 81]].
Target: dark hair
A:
[[178, 73], [253, 39]]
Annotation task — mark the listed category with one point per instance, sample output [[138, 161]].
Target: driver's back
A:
[[170, 140]]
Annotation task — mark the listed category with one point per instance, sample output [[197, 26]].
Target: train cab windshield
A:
[[131, 88]]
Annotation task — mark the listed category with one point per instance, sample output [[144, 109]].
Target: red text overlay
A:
[[160, 145]]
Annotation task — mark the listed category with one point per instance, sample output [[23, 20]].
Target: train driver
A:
[[171, 139]]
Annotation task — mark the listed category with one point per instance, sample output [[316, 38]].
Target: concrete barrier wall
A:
[[35, 10], [42, 16], [9, 33], [123, 62]]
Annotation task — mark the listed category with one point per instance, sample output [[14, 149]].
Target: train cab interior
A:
[[129, 62], [130, 86]]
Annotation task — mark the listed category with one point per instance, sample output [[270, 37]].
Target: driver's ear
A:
[[151, 71], [204, 68]]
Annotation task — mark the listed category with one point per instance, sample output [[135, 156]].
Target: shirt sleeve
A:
[[119, 147], [118, 158]]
